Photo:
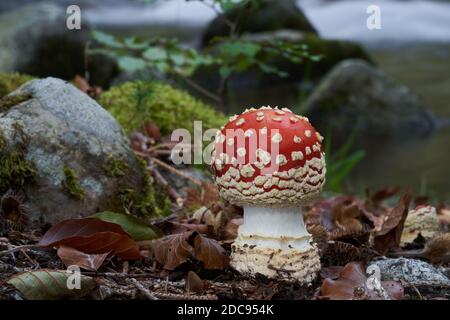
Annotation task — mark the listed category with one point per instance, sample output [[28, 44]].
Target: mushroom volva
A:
[[270, 162]]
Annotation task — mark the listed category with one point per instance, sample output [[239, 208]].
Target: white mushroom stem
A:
[[274, 228]]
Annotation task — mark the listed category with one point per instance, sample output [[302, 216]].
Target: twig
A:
[[144, 290], [178, 296], [172, 192], [175, 171], [119, 275], [19, 248]]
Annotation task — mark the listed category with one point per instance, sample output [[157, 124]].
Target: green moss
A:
[[115, 167], [135, 103], [71, 185], [15, 170], [151, 201], [13, 100], [2, 140], [11, 81]]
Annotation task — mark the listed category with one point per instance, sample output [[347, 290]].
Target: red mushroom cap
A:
[[268, 157]]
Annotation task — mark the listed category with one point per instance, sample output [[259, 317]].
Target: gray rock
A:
[[357, 97], [34, 39], [78, 156], [411, 271], [267, 15]]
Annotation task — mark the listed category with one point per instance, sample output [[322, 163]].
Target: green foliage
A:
[[158, 54], [11, 81], [135, 103], [149, 202], [135, 227], [340, 162], [230, 55], [71, 185]]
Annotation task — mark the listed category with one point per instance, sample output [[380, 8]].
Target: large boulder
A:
[[34, 39], [358, 98], [65, 153], [261, 16]]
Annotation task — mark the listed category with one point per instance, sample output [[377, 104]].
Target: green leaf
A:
[[136, 228], [131, 64], [225, 71], [51, 285], [155, 54], [236, 48], [106, 39]]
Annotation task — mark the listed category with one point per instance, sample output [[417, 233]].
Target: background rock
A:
[[34, 39], [63, 151], [357, 97], [268, 16], [411, 271]]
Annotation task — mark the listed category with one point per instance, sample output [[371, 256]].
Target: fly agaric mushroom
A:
[[270, 162]]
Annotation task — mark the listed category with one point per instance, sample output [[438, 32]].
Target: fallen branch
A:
[[144, 290]]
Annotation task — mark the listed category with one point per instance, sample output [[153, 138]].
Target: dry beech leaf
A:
[[205, 196], [92, 236], [152, 130], [50, 285], [194, 283], [173, 250], [347, 218], [230, 230], [331, 272], [438, 249], [73, 257], [351, 285], [211, 253], [382, 194], [390, 234]]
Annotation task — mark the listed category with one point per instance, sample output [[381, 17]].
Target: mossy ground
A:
[[11, 81], [151, 201], [15, 170], [135, 103], [115, 167]]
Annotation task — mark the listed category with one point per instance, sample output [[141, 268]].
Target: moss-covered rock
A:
[[135, 103], [260, 16], [11, 81], [61, 149]]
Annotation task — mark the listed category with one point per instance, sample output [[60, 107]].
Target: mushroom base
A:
[[290, 265]]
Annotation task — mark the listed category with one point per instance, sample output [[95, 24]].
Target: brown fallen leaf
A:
[[341, 216], [173, 250], [92, 236], [194, 283], [211, 253], [352, 285], [205, 196], [389, 235], [73, 257], [152, 131]]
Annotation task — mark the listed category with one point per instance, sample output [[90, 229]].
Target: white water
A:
[[402, 21]]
